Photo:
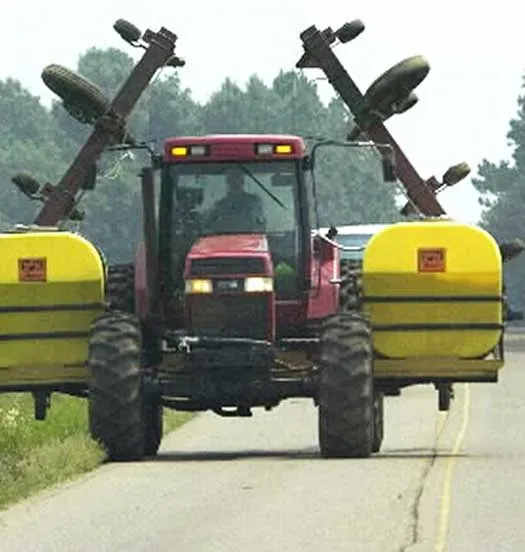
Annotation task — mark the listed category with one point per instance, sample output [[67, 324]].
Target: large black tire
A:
[[121, 288], [116, 416], [397, 82], [350, 289], [379, 421], [83, 99], [127, 30], [346, 387]]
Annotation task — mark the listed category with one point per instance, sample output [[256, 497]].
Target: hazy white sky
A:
[[465, 103]]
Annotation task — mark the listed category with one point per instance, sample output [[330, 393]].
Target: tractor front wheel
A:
[[116, 406], [346, 388]]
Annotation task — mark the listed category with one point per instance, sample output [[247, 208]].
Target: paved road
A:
[[442, 482]]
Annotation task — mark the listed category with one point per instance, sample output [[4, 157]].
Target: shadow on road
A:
[[306, 454], [225, 456]]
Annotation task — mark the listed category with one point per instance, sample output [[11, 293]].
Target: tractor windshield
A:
[[234, 198]]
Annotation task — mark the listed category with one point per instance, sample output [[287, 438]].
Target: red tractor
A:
[[237, 305]]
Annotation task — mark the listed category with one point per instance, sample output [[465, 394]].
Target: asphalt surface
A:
[[442, 482]]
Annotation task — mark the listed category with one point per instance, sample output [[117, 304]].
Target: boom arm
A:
[[318, 53], [111, 125], [369, 120]]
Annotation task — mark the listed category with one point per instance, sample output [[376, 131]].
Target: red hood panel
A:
[[231, 245]]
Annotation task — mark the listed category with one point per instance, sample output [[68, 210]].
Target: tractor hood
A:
[[232, 254]]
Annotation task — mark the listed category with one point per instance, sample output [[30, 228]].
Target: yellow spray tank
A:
[[52, 286], [433, 291]]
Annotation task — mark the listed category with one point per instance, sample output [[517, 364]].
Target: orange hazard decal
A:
[[431, 260], [32, 270]]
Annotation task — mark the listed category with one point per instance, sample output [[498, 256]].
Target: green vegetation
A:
[[502, 189], [36, 455]]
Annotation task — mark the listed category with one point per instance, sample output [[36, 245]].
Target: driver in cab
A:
[[238, 210]]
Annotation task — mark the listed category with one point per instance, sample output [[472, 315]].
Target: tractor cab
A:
[[233, 221]]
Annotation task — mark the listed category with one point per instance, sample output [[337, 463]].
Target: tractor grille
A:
[[229, 315], [227, 265]]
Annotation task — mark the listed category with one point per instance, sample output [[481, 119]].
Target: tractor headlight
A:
[[258, 284], [198, 286]]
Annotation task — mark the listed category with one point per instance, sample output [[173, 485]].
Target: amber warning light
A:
[[185, 151], [270, 149], [260, 149]]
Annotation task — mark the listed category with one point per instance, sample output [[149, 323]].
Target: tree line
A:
[[44, 141]]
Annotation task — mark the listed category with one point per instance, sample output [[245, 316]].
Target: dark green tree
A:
[[30, 142], [502, 193]]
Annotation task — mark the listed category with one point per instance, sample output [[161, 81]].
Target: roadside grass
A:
[[35, 455]]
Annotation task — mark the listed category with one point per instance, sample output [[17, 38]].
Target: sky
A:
[[465, 103]]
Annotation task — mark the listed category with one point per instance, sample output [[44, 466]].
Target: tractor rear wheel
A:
[[121, 288], [116, 414], [346, 387]]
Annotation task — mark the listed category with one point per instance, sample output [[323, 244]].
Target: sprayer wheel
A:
[[398, 81], [82, 98], [127, 30]]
